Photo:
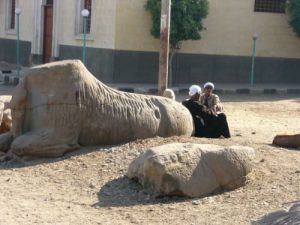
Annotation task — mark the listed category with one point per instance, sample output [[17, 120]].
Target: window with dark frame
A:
[[12, 14], [272, 6], [88, 5]]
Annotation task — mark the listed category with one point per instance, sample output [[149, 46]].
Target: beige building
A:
[[120, 47]]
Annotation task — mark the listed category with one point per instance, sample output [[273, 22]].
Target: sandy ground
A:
[[88, 186]]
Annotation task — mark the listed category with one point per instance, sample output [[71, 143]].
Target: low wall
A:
[[116, 66], [8, 51]]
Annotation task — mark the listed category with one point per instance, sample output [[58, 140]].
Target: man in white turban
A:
[[206, 124], [196, 109], [213, 104], [194, 89], [211, 100]]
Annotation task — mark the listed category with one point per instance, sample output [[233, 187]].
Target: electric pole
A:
[[164, 45]]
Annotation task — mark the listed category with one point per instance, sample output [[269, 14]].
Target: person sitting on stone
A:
[[213, 104], [211, 100], [206, 124]]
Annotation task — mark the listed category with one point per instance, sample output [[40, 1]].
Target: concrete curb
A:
[[14, 80], [11, 80], [242, 91]]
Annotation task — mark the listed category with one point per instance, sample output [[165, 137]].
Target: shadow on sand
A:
[[17, 162], [284, 148], [281, 217], [123, 192]]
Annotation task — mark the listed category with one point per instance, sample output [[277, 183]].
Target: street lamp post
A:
[[18, 12], [254, 38], [85, 13]]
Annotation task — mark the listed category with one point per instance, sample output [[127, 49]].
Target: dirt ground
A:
[[88, 186]]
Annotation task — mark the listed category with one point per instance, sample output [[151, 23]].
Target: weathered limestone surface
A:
[[59, 106], [193, 170], [288, 141]]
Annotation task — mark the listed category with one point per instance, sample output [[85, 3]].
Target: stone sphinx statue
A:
[[60, 106]]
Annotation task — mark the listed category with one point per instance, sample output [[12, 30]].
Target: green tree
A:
[[186, 22], [294, 11]]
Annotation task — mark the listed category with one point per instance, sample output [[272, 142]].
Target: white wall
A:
[[103, 24], [230, 26]]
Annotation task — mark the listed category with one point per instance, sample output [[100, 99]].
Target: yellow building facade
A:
[[120, 47]]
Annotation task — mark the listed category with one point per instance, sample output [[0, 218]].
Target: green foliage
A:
[[186, 19], [294, 11]]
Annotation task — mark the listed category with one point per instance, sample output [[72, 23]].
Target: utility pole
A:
[[164, 45]]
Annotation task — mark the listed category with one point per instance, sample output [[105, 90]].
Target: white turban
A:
[[194, 89], [209, 84]]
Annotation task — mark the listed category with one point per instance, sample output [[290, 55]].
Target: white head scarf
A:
[[210, 84], [194, 89]]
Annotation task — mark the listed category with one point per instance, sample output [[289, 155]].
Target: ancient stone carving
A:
[[193, 170], [59, 106]]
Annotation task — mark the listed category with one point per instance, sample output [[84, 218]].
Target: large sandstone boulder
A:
[[193, 170], [288, 141], [59, 106]]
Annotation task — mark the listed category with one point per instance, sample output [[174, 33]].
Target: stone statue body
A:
[[60, 106]]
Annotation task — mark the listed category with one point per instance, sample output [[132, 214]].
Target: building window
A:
[[10, 17], [88, 6], [12, 14], [273, 6], [83, 4]]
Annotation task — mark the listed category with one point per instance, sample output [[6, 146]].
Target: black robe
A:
[[207, 124]]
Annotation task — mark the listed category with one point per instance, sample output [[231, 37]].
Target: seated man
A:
[[213, 103], [207, 124], [211, 100]]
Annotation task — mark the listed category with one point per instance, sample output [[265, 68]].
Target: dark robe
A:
[[207, 124]]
